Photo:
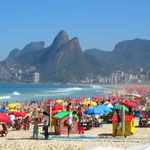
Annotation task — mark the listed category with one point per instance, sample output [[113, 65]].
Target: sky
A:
[[97, 23]]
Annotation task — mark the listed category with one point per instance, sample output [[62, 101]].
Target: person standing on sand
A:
[[69, 122], [46, 123], [35, 128]]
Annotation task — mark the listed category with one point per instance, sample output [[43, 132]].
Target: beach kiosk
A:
[[129, 123], [61, 123]]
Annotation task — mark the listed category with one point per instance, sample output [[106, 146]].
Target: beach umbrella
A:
[[104, 108], [113, 97], [135, 101], [12, 110], [34, 101], [58, 107], [90, 102], [51, 100], [109, 105], [65, 103], [58, 101], [13, 105], [18, 114], [129, 104], [2, 110], [148, 108], [106, 102], [4, 118], [118, 107], [80, 100], [69, 100], [43, 101], [94, 111], [17, 104]]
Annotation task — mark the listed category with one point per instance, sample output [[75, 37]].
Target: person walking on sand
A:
[[35, 128], [46, 123], [69, 122]]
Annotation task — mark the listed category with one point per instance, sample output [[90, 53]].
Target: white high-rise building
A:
[[36, 77]]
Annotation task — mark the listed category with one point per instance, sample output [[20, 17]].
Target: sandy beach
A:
[[22, 140]]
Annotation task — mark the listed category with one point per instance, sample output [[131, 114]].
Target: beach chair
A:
[[81, 130]]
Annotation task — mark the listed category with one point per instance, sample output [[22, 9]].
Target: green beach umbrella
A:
[[118, 107], [65, 103], [148, 108]]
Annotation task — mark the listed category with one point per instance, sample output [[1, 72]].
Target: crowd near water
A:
[[80, 112]]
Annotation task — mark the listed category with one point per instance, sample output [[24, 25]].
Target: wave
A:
[[66, 90], [95, 87], [5, 97], [16, 93]]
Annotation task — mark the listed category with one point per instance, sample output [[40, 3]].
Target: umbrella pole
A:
[[123, 120], [36, 112], [50, 118], [63, 106]]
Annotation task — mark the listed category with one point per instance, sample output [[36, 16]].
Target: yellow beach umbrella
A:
[[90, 102], [106, 102], [12, 105], [12, 110], [58, 101], [17, 104]]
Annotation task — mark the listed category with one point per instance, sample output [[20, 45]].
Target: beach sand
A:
[[21, 140]]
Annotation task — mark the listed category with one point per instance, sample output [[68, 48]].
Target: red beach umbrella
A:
[[135, 101], [43, 101], [51, 100], [58, 107], [18, 114], [69, 100], [129, 104], [4, 118], [113, 97]]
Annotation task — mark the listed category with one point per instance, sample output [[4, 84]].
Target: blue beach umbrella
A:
[[2, 110], [34, 101], [94, 111], [104, 108]]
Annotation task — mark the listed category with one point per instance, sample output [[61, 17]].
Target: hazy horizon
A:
[[98, 24]]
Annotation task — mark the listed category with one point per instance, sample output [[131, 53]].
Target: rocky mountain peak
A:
[[60, 39]]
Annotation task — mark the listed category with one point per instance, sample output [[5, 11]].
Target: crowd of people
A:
[[37, 113]]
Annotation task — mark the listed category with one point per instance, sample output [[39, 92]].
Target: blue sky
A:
[[97, 23]]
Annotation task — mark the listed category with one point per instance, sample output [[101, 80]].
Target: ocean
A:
[[21, 92]]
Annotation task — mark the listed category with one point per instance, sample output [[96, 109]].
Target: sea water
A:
[[22, 92]]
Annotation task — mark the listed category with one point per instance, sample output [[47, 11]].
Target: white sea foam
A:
[[67, 90], [16, 93], [5, 97], [95, 87]]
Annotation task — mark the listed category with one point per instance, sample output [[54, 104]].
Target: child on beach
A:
[[35, 128]]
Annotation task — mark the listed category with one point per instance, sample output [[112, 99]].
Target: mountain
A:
[[63, 61], [33, 46], [14, 53], [127, 55], [28, 48], [100, 54]]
